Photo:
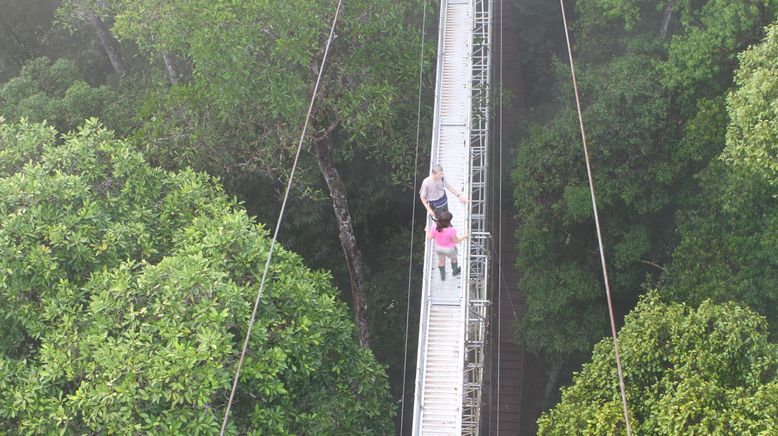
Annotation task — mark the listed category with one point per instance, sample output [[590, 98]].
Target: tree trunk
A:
[[348, 241], [551, 383], [666, 20], [20, 43], [107, 42], [18, 58], [170, 66]]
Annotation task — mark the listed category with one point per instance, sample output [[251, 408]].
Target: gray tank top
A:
[[432, 189]]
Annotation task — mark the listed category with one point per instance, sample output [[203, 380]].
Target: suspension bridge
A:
[[453, 317], [454, 312]]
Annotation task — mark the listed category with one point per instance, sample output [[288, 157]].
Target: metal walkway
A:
[[452, 330]]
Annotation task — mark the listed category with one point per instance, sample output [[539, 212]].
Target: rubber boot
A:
[[442, 272], [455, 269]]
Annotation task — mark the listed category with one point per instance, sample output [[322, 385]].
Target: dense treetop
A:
[[126, 277], [705, 370], [125, 292], [57, 93], [654, 77], [678, 102], [729, 237]]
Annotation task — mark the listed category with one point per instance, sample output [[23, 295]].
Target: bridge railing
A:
[[474, 303], [424, 310], [477, 296]]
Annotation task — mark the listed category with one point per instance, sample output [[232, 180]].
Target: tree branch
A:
[[328, 131], [666, 20], [648, 262]]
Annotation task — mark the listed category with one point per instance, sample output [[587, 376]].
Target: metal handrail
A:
[[421, 357], [474, 249], [476, 310]]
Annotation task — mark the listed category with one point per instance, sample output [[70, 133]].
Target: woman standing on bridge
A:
[[432, 192], [446, 241]]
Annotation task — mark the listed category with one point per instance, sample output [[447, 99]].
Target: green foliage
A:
[[655, 115], [124, 296], [705, 36], [706, 370], [253, 66], [388, 287], [606, 28], [28, 31], [56, 93], [625, 13], [752, 136], [702, 57], [23, 28], [239, 112], [19, 144], [635, 170], [730, 236], [569, 292], [71, 14]]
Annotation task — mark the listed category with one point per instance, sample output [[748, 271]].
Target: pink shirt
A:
[[445, 239]]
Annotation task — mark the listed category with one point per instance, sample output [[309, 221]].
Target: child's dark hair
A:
[[443, 219]]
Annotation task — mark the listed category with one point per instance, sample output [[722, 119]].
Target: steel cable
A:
[[280, 220], [597, 225], [413, 213]]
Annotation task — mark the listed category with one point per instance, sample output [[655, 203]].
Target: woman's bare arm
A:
[[462, 238]]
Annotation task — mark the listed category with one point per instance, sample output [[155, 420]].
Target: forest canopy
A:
[[678, 101], [125, 294], [728, 244], [655, 79], [704, 370], [130, 246]]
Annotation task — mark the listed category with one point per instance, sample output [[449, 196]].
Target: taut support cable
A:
[[413, 213], [278, 223], [597, 225]]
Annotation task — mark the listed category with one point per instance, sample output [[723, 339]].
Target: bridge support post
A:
[[477, 304]]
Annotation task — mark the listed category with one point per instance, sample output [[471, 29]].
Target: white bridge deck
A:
[[442, 379]]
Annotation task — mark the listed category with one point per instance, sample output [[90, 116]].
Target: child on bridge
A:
[[446, 241]]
